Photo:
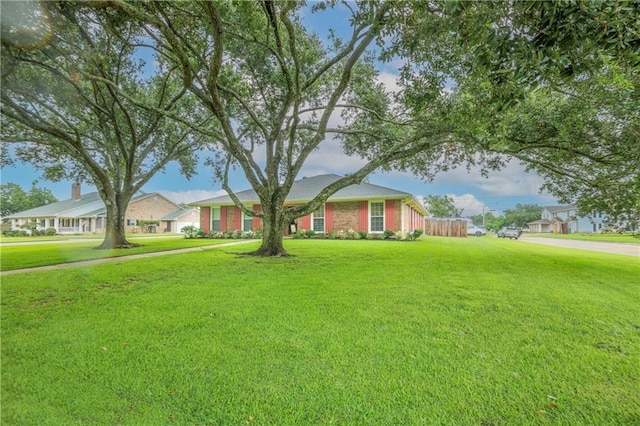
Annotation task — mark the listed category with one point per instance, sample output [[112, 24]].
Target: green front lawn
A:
[[9, 240], [476, 331], [610, 238], [18, 256]]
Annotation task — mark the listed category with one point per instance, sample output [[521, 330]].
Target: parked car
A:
[[510, 232], [477, 231]]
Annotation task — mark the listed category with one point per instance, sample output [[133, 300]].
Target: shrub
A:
[[388, 234], [309, 233], [363, 235], [50, 232], [192, 232]]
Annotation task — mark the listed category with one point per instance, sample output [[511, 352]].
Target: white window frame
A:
[[313, 219], [242, 222], [213, 219], [370, 217]]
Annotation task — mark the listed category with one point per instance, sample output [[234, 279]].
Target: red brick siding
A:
[[328, 217], [390, 214], [237, 218], [305, 222], [363, 215], [223, 218], [257, 222], [205, 219]]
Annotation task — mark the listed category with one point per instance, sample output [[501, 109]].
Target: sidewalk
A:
[[120, 258]]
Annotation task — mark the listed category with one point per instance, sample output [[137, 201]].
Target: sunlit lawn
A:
[[611, 238], [476, 331], [9, 240], [18, 256]]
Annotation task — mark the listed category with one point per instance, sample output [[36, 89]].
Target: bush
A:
[[191, 232], [50, 232], [388, 234], [309, 233]]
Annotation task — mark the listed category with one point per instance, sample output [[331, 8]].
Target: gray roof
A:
[[175, 215], [306, 189], [88, 205], [554, 209]]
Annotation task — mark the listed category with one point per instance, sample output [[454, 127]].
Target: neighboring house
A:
[[362, 207], [86, 214], [565, 220], [179, 219]]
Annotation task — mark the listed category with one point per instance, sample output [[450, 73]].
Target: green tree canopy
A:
[[79, 102], [522, 214], [14, 199], [441, 206]]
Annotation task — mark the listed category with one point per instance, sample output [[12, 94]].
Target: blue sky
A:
[[470, 191]]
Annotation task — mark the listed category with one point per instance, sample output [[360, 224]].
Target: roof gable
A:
[[306, 189]]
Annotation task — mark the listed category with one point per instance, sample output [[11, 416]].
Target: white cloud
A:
[[468, 203], [191, 195], [390, 81]]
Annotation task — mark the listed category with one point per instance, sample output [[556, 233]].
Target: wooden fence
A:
[[446, 227]]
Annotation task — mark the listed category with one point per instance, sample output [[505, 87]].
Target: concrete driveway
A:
[[627, 249]]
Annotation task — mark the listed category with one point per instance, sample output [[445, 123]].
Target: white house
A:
[[565, 220]]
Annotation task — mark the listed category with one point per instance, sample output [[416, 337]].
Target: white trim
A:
[[369, 215], [324, 219], [211, 218], [244, 217]]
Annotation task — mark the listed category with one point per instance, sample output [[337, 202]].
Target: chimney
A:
[[75, 191]]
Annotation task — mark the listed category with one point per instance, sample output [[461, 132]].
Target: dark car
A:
[[510, 232]]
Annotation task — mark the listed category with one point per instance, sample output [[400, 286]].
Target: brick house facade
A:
[[363, 207]]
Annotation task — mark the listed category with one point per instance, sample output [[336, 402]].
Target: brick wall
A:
[[345, 216], [152, 207]]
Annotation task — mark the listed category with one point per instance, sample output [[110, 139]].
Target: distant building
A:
[[565, 220], [86, 214]]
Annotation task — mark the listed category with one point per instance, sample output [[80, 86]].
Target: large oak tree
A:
[[79, 101], [275, 89]]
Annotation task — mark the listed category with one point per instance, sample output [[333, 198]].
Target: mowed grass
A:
[[606, 238], [20, 256], [477, 331]]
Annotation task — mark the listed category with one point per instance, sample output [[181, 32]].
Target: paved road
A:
[[616, 248]]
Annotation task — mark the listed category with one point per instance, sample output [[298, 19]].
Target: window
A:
[[215, 219], [376, 216], [132, 222], [247, 222], [317, 219]]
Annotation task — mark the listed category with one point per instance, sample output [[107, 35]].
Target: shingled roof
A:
[[306, 189], [555, 209], [89, 205]]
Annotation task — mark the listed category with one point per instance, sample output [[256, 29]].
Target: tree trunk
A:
[[114, 236], [272, 237]]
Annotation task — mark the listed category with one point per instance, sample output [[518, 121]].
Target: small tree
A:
[[441, 206]]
